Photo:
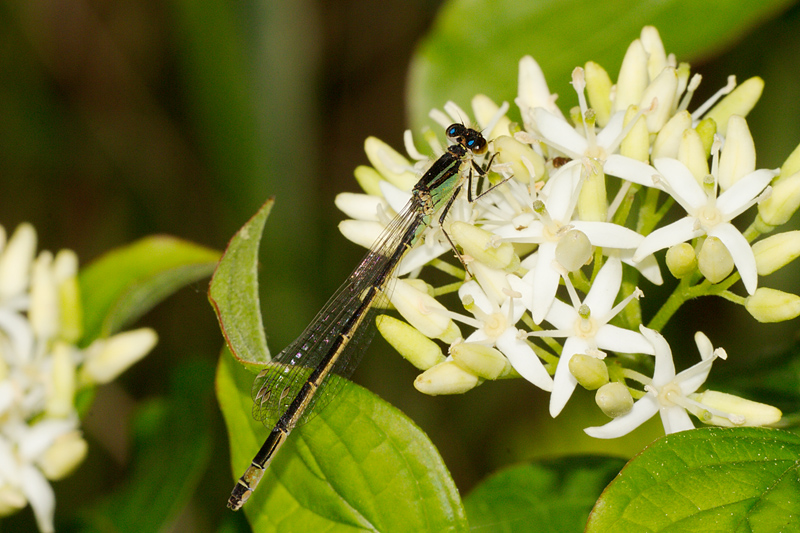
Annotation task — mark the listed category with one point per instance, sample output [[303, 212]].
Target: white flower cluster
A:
[[41, 369], [586, 200]]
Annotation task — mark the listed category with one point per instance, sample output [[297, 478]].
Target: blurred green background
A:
[[125, 118]]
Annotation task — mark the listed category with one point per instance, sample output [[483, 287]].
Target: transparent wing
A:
[[351, 309]]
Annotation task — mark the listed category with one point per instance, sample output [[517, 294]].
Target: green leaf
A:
[[710, 479], [234, 292], [172, 439], [554, 496], [125, 283], [475, 47], [358, 465]]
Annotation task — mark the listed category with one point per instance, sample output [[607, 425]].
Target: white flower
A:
[[708, 214], [667, 393], [495, 325], [549, 224], [585, 324]]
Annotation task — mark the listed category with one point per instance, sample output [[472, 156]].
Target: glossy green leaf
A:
[[360, 464], [234, 292], [710, 479], [475, 47], [554, 496], [172, 438], [125, 283]]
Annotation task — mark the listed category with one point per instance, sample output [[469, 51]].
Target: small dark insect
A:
[[560, 161]]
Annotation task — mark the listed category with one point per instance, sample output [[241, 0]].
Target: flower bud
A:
[[691, 153], [770, 305], [782, 203], [16, 261], [633, 78], [742, 412], [662, 90], [593, 200], [63, 456], [591, 372], [108, 358], [669, 138], [11, 500], [598, 91], [681, 260], [43, 313], [61, 397], [739, 102], [532, 87], [484, 246], [418, 349], [614, 399], [390, 164], [526, 165], [483, 361], [714, 261], [776, 251], [656, 56], [573, 250], [445, 378], [706, 129], [738, 157], [368, 179], [65, 267], [423, 312], [790, 166], [636, 143], [485, 110]]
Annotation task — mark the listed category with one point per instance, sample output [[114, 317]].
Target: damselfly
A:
[[296, 381]]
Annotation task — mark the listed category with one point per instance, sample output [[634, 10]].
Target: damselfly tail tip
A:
[[239, 495]]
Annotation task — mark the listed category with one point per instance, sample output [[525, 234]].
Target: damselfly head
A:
[[469, 138]]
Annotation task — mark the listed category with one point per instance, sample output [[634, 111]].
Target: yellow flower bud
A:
[[11, 500], [614, 399], [692, 154], [446, 378], [776, 251], [423, 312], [739, 102], [61, 397], [485, 110], [484, 246], [656, 56], [573, 250], [591, 372], [593, 200], [706, 129], [681, 260], [714, 261], [782, 203], [65, 454], [749, 413], [69, 298], [526, 165], [662, 90], [390, 164], [632, 79], [369, 180], [636, 143], [790, 166], [108, 358], [770, 305], [598, 91], [669, 138], [16, 261], [418, 349], [738, 156], [483, 361]]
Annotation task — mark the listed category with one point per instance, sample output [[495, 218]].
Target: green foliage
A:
[[360, 465], [710, 479], [234, 292], [554, 496], [126, 282], [474, 47], [172, 443]]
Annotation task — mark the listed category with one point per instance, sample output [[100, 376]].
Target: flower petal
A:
[[679, 231], [741, 195], [675, 419], [740, 251], [524, 360], [683, 185], [643, 410], [605, 288], [556, 130]]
